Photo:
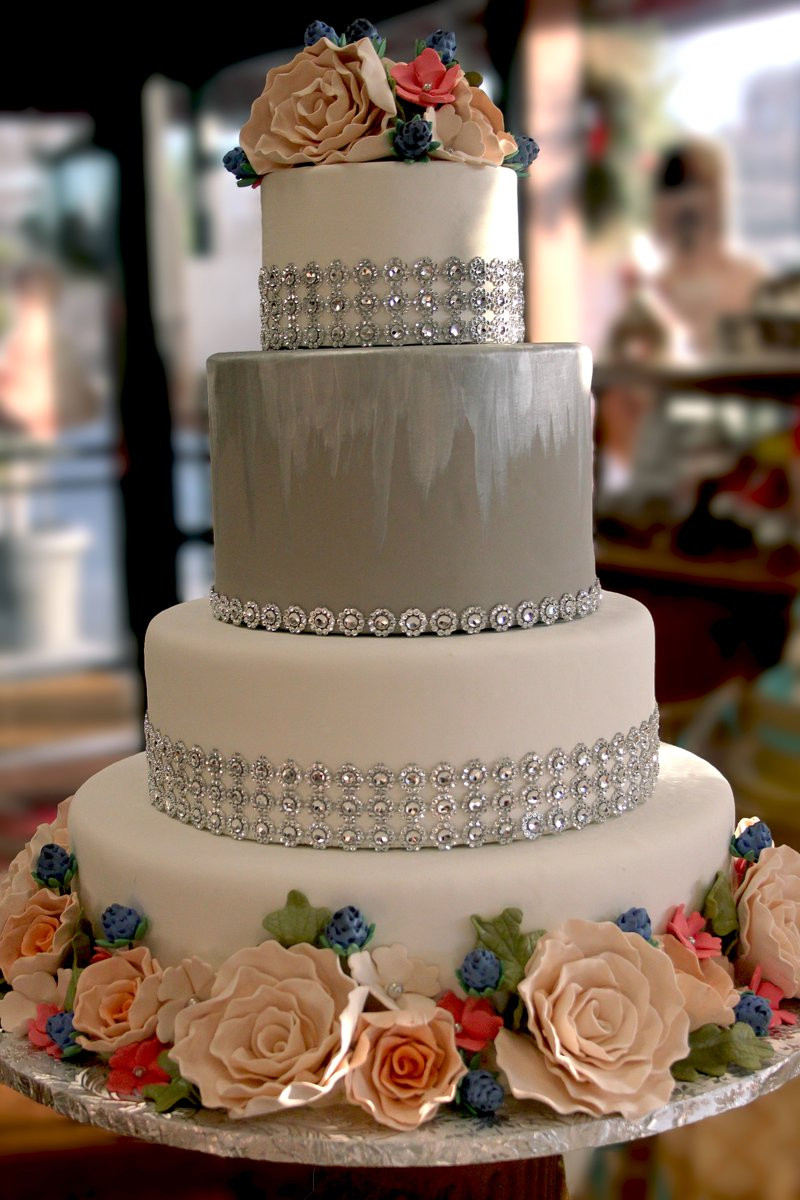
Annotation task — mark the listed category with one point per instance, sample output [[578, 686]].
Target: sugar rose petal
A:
[[273, 1033], [403, 1065], [768, 907], [606, 1022], [37, 936], [116, 1001], [708, 989], [329, 104]]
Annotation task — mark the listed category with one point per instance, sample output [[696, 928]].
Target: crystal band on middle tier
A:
[[412, 622], [381, 808]]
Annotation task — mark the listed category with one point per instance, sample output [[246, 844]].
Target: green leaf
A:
[[69, 999], [380, 47], [419, 46], [719, 907], [298, 921], [504, 938], [169, 1095], [713, 1050], [473, 78]]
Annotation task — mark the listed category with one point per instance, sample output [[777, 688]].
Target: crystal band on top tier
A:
[[412, 622], [381, 808], [393, 304]]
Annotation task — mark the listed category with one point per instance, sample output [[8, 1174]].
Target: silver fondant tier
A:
[[413, 622], [429, 478]]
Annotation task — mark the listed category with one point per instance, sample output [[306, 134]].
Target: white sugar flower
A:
[[180, 986], [395, 979]]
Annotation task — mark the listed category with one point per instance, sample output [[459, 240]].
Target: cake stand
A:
[[317, 1148]]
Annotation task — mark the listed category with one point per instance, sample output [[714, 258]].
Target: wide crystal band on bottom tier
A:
[[378, 807], [412, 622]]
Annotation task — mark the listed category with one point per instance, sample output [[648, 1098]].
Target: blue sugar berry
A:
[[754, 1011], [481, 1092], [360, 28], [317, 30], [527, 151], [53, 863], [61, 1030], [753, 839], [412, 139], [481, 970], [237, 162], [120, 923], [444, 43], [347, 927], [636, 920]]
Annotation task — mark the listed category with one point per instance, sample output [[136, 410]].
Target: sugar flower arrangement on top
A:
[[593, 1017], [341, 100]]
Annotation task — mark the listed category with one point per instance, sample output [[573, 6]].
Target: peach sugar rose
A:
[[330, 104], [768, 908], [18, 882], [471, 128], [607, 1020], [36, 938], [709, 993], [403, 1065], [274, 1032], [116, 1001]]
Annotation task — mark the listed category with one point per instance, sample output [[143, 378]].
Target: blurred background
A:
[[661, 225]]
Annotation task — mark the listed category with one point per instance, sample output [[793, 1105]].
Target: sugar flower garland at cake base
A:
[[594, 1017], [341, 100]]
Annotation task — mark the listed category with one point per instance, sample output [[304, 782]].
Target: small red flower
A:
[[476, 1021], [37, 1030], [426, 81], [135, 1066], [100, 954], [773, 994], [690, 932]]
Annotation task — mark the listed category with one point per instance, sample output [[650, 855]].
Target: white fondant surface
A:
[[371, 700], [208, 896], [389, 210]]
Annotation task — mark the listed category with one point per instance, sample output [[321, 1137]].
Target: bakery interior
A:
[[660, 225]]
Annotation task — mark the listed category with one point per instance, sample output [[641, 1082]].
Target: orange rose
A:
[[329, 104], [768, 907], [116, 1001], [37, 937], [404, 1064]]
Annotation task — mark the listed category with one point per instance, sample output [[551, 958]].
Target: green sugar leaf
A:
[[298, 921], [713, 1050], [719, 907], [504, 937]]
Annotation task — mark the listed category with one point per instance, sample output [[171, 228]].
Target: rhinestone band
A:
[[393, 304], [412, 622], [380, 808]]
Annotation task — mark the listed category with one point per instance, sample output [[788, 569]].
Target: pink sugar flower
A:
[[37, 1030], [773, 994], [690, 931], [426, 81]]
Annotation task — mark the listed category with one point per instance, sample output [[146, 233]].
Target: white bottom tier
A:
[[208, 895]]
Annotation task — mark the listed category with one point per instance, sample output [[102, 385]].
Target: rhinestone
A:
[[198, 816], [366, 272], [548, 611], [313, 305], [474, 773], [349, 807], [557, 761], [480, 330], [214, 762], [290, 774], [557, 820], [413, 837], [476, 801], [367, 333], [289, 276], [312, 275], [262, 831], [503, 801], [395, 302], [443, 776], [238, 827], [311, 336], [454, 332], [443, 622], [602, 782], [349, 777], [319, 836], [527, 614], [291, 305], [531, 797], [425, 301], [366, 303], [424, 269], [600, 752], [289, 835], [501, 617], [195, 788], [338, 303], [319, 806], [456, 301], [620, 802], [473, 619], [251, 615], [394, 989], [580, 758], [413, 622], [337, 273], [567, 607], [318, 776], [453, 269], [581, 816], [381, 622], [261, 770], [585, 604], [475, 834], [504, 770], [395, 271], [338, 334], [531, 766], [290, 802], [426, 331], [223, 608], [261, 801], [382, 838], [235, 612], [580, 787], [350, 838], [444, 836], [531, 826], [557, 793], [602, 810], [271, 617], [350, 622], [380, 777], [477, 270], [214, 794], [504, 832], [291, 337], [236, 766], [397, 332], [380, 806], [322, 621], [445, 805], [236, 797], [214, 822], [479, 300]]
